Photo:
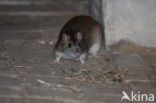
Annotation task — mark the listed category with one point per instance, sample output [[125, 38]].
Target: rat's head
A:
[[71, 44]]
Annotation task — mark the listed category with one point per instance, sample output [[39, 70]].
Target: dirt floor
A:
[[28, 75]]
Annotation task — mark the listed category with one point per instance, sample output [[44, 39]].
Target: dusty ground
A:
[[28, 76]]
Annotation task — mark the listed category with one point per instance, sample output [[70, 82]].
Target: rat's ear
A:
[[65, 37], [79, 36]]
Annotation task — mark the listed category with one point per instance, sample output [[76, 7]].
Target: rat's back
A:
[[82, 24], [90, 29]]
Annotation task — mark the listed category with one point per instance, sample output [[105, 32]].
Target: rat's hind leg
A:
[[94, 49]]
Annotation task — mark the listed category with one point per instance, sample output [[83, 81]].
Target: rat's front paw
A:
[[83, 58]]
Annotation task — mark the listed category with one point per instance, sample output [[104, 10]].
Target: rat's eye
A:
[[69, 45]]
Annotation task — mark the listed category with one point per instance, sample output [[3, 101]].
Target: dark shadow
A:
[[96, 11]]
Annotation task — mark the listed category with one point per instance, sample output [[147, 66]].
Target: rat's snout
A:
[[77, 52]]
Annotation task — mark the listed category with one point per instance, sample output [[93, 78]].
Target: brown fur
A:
[[83, 24], [90, 31]]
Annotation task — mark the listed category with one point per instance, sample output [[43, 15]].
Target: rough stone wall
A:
[[131, 20]]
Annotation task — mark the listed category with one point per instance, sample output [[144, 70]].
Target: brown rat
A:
[[79, 37]]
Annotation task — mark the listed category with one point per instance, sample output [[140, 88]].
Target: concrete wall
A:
[[132, 20]]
